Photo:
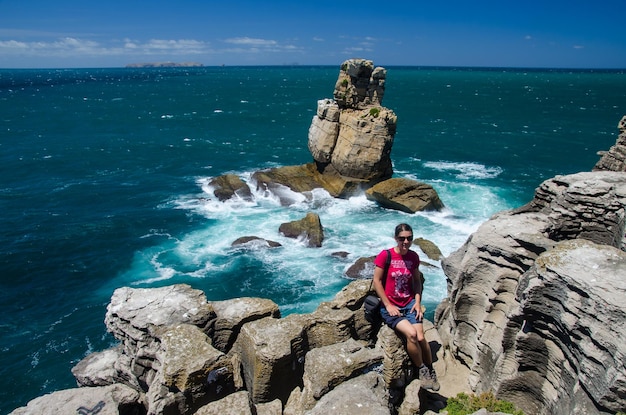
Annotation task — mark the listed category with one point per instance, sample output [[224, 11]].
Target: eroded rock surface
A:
[[509, 343]]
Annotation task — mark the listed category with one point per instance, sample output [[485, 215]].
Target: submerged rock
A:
[[254, 241]]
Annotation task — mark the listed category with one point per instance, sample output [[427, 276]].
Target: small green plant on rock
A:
[[464, 404], [344, 83], [374, 112]]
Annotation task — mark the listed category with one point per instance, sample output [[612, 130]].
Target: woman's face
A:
[[404, 241]]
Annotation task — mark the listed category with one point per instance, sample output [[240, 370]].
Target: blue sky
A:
[[111, 33]]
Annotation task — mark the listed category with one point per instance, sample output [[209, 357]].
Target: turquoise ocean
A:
[[105, 183]]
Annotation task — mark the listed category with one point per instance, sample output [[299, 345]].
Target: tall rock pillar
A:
[[351, 135]]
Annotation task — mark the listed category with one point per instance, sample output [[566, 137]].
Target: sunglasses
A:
[[404, 238]]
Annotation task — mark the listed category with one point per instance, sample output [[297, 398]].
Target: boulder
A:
[[282, 182], [365, 394], [104, 400], [411, 404], [272, 351], [176, 368], [136, 316], [405, 195], [329, 325], [232, 314], [299, 179], [362, 268], [309, 227], [351, 296], [397, 368], [431, 250], [272, 354], [188, 372], [328, 366], [228, 186], [98, 368], [237, 403], [165, 349], [338, 185], [274, 407]]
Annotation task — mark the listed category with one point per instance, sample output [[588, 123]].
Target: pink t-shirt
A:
[[399, 283]]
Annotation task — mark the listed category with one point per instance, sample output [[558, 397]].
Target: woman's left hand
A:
[[417, 309]]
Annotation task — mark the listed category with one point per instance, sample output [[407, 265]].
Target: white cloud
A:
[[579, 47], [13, 45], [248, 45], [70, 46], [70, 49], [357, 50], [251, 41]]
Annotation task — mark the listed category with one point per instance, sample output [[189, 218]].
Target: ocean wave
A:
[[295, 275], [465, 170]]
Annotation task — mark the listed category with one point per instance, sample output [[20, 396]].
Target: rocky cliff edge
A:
[[536, 306]]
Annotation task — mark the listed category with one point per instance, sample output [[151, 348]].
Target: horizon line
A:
[[181, 65]]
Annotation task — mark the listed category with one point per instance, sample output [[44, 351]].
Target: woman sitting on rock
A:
[[400, 292]]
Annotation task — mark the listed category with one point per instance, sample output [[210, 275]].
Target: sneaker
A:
[[425, 378], [433, 377]]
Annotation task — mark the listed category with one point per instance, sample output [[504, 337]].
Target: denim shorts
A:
[[405, 314]]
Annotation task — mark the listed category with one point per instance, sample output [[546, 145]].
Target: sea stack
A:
[[352, 134]]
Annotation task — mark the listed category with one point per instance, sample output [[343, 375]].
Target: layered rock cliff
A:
[[535, 307], [352, 135]]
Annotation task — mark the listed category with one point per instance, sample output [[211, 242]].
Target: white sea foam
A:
[[302, 276], [465, 170]]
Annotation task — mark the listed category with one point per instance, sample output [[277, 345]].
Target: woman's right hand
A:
[[392, 310]]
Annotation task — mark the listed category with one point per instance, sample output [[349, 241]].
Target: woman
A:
[[400, 292]]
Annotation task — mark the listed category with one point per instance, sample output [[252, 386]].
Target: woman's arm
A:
[[418, 288], [380, 291]]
